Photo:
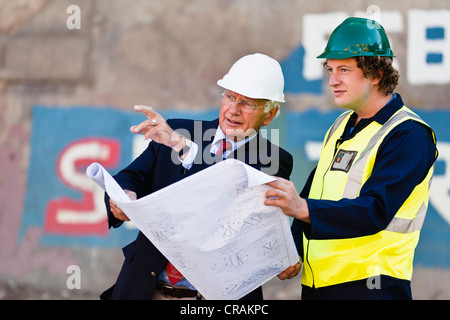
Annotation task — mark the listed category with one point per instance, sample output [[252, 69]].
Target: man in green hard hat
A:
[[358, 218]]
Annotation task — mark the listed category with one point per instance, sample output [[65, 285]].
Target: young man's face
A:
[[350, 88]]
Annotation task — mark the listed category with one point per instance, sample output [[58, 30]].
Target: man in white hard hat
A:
[[253, 90]]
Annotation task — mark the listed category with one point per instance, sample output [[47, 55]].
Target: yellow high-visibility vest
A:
[[341, 175]]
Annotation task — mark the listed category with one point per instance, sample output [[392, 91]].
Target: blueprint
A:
[[213, 226]]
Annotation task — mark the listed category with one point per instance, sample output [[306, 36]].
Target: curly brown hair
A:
[[371, 66]]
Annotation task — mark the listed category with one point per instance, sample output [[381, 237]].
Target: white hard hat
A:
[[256, 76]]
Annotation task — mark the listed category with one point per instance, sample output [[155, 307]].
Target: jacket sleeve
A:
[[152, 170], [285, 165], [135, 177]]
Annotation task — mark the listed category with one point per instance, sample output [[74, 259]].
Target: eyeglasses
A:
[[246, 106]]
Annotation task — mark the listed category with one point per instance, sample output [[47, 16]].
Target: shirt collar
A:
[[219, 136], [385, 113], [382, 116], [395, 104]]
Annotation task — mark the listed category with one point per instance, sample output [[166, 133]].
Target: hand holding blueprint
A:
[[213, 226]]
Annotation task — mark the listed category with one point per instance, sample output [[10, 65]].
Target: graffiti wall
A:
[[71, 72], [70, 209]]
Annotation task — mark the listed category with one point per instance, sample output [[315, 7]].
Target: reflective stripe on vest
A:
[[389, 252], [352, 189]]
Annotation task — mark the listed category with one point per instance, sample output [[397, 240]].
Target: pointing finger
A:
[[147, 110]]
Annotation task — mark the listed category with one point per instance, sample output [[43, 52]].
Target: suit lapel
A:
[[251, 151]]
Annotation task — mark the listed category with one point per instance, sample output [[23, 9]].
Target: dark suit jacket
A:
[[158, 167]]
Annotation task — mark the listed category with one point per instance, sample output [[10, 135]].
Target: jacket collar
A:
[[382, 116]]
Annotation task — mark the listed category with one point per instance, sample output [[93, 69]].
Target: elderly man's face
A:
[[237, 124]]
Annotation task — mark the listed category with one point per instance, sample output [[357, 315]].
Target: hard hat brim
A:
[[229, 86], [338, 55]]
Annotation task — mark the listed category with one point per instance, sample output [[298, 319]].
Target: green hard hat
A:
[[357, 37]]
